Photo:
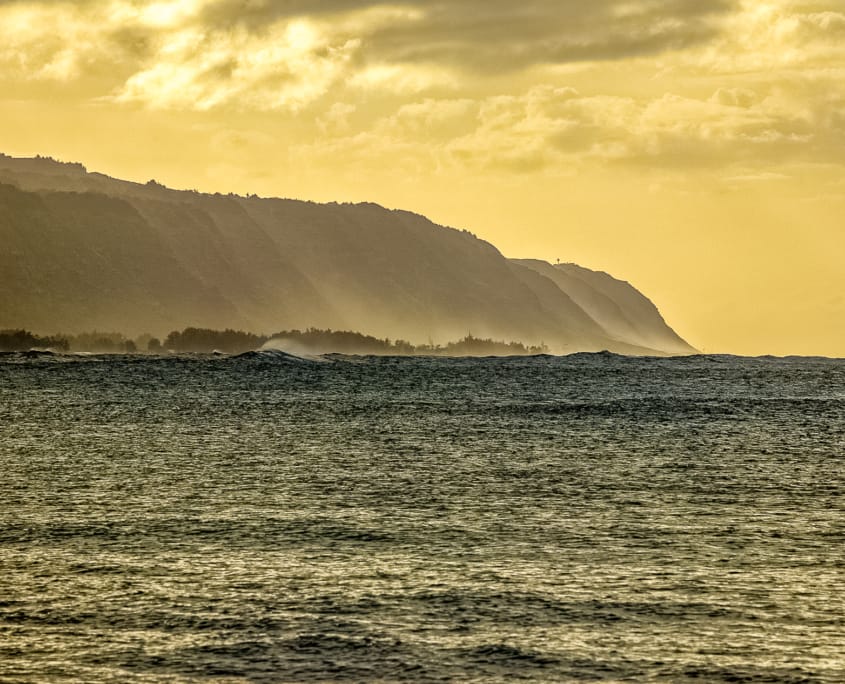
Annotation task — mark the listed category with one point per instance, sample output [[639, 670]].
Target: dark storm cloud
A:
[[502, 34]]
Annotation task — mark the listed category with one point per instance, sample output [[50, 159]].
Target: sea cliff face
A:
[[83, 251]]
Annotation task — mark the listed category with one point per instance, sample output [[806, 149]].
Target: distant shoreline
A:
[[312, 341], [232, 343]]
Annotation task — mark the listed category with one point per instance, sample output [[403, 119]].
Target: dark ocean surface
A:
[[266, 519]]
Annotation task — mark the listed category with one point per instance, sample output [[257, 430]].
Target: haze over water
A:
[[263, 519]]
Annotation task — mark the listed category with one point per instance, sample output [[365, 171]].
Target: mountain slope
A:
[[81, 251], [619, 308]]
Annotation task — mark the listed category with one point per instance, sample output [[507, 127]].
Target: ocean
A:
[[264, 518]]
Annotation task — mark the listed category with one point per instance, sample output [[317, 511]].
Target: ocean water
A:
[[266, 519]]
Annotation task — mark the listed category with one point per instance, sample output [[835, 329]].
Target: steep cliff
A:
[[80, 250]]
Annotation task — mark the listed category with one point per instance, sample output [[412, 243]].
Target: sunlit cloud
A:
[[561, 129], [46, 42], [402, 79], [409, 46], [287, 66], [745, 79]]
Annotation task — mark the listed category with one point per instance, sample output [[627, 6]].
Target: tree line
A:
[[228, 341], [99, 342]]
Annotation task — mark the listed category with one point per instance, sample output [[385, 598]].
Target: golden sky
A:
[[693, 147]]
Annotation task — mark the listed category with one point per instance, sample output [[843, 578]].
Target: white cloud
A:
[[286, 67]]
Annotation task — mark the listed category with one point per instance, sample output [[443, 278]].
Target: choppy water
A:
[[261, 519]]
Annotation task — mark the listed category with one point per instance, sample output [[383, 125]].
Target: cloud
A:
[[55, 42], [159, 55], [562, 130], [747, 82], [286, 67], [763, 177], [761, 37], [563, 127], [497, 35], [210, 53], [500, 34]]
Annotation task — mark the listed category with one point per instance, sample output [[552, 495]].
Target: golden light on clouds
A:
[[694, 148]]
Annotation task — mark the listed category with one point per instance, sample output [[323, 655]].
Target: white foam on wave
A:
[[291, 349]]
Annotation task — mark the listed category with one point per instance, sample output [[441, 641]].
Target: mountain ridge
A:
[[83, 251]]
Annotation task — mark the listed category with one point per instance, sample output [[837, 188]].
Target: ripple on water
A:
[[264, 519]]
